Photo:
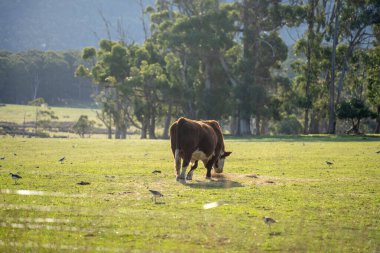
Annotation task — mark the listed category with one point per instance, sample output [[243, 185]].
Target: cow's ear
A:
[[226, 154]]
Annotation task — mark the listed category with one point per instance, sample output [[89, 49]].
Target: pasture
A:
[[319, 208], [19, 113]]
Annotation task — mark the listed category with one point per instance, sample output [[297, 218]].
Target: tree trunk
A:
[[167, 122], [310, 42], [123, 133], [152, 126], [109, 127], [332, 118], [123, 124], [257, 122], [244, 124], [117, 132], [264, 127], [306, 122], [237, 124], [109, 132], [314, 123], [144, 129], [36, 85]]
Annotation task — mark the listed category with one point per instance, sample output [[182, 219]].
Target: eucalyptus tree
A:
[[311, 64], [354, 110], [110, 68], [262, 49], [349, 28], [372, 66], [195, 35], [146, 82]]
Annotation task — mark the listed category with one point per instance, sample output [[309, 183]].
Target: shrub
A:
[[83, 126], [289, 125]]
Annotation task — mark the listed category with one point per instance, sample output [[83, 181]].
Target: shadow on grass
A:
[[217, 182], [275, 233]]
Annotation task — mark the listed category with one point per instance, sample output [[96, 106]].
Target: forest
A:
[[207, 59]]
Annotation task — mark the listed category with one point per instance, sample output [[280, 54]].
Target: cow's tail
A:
[[177, 157]]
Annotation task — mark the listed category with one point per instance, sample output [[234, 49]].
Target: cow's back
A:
[[189, 135]]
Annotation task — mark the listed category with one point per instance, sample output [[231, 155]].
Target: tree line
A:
[[205, 59], [33, 74]]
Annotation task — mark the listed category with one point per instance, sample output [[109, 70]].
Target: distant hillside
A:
[[66, 24], [74, 24]]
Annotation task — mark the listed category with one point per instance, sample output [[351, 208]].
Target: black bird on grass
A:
[[329, 163], [156, 171], [83, 183], [155, 194], [15, 177], [62, 159], [269, 221], [378, 152]]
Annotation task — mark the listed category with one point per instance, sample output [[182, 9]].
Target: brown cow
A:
[[194, 140]]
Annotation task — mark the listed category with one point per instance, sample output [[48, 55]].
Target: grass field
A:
[[318, 208], [16, 113]]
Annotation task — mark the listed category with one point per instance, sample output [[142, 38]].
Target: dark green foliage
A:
[[83, 126], [354, 110], [27, 75], [88, 53], [289, 125]]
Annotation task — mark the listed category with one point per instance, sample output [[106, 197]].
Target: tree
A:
[[37, 103], [373, 79], [197, 35], [83, 126], [109, 70], [28, 75], [262, 49], [354, 110], [350, 22]]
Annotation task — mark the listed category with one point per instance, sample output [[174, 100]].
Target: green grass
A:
[[319, 209], [16, 113]]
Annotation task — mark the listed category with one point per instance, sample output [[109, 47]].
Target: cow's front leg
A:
[[190, 174], [208, 166]]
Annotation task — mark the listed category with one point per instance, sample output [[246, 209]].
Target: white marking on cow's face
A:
[[219, 163], [218, 166], [199, 155]]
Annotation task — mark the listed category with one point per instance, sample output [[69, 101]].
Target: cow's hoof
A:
[[181, 179], [189, 176], [209, 178]]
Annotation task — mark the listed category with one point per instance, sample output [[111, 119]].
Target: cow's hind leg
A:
[[177, 162], [190, 174], [185, 164]]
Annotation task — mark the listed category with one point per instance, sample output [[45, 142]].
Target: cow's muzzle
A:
[[218, 170]]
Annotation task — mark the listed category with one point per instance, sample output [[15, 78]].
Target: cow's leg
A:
[[177, 162], [185, 164], [209, 168], [190, 174]]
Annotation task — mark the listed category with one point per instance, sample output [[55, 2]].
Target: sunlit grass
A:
[[17, 113], [318, 208]]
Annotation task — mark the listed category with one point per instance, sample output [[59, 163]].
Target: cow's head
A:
[[219, 163]]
